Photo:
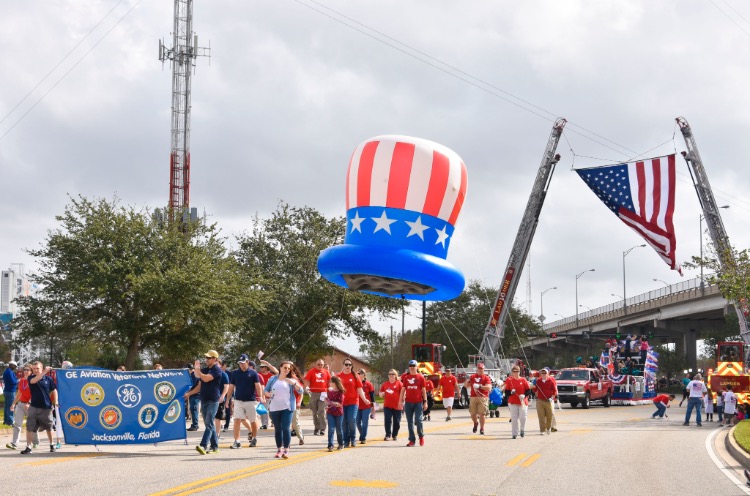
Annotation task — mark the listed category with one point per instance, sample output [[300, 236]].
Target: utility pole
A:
[[182, 56], [391, 346]]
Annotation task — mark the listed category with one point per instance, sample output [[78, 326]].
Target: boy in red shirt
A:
[[661, 403], [414, 401], [447, 387]]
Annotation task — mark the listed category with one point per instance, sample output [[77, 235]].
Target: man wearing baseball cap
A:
[[414, 400], [479, 384], [245, 384], [447, 388], [209, 387]]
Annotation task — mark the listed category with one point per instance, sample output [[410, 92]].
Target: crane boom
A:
[[495, 331], [711, 213]]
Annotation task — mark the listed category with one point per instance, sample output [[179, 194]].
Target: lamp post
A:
[[700, 228], [541, 304], [578, 276], [616, 296], [585, 306], [624, 291]]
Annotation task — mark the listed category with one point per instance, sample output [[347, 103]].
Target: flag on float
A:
[[642, 195]]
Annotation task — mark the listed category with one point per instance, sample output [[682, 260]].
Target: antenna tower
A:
[[182, 56]]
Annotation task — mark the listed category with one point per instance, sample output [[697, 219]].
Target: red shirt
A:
[[482, 380], [662, 398], [24, 393], [428, 385], [392, 392], [351, 383], [318, 380], [367, 388], [413, 384], [449, 385], [266, 376], [546, 390], [520, 385]]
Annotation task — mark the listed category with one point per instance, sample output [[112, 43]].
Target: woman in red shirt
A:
[[363, 410], [390, 391], [518, 403], [353, 386]]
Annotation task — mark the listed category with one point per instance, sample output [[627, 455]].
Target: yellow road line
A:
[[516, 460], [60, 459], [530, 460], [580, 431], [221, 479]]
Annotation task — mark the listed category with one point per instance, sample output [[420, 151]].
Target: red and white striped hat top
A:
[[407, 173]]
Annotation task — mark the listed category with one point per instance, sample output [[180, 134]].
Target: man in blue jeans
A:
[[414, 400], [696, 389], [10, 387], [194, 402], [209, 387]]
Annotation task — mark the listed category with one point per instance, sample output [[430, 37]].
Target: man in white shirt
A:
[[696, 389]]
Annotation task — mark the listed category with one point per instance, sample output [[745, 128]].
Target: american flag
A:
[[642, 195]]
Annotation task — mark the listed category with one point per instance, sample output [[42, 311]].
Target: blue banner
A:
[[105, 407]]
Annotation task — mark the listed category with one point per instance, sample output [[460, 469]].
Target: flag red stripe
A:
[[670, 208], [641, 179], [398, 180], [364, 175], [438, 184], [461, 195], [348, 172]]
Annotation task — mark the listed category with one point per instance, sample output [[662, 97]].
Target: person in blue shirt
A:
[[43, 401], [10, 387], [194, 401], [247, 390], [209, 388]]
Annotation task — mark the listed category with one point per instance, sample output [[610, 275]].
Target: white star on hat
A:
[[383, 222], [442, 236], [417, 228], [357, 222]]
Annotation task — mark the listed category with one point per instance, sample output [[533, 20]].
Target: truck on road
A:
[[582, 386]]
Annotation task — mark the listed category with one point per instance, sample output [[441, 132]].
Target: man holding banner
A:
[[209, 387]]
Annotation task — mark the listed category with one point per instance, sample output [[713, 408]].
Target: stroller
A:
[[496, 401]]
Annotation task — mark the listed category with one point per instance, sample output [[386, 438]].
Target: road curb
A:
[[735, 450]]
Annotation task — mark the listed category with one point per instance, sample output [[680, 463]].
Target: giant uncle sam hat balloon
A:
[[403, 196]]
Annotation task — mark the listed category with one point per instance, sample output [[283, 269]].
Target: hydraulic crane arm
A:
[[495, 327], [711, 214]]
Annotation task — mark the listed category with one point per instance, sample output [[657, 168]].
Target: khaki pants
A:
[[318, 409], [544, 413], [19, 414]]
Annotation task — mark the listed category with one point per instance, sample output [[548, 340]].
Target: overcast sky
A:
[[293, 86]]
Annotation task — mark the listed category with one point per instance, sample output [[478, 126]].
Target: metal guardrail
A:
[[675, 293]]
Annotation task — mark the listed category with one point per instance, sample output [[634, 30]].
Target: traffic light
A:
[[553, 335], [650, 334], [618, 335]]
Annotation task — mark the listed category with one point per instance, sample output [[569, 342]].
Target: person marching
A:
[[20, 407], [209, 388], [414, 402], [390, 391], [352, 396], [316, 380], [447, 388], [334, 400], [363, 410], [280, 389], [245, 385], [546, 392], [43, 400], [479, 384], [517, 401]]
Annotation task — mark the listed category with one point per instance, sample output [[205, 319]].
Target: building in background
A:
[[14, 285]]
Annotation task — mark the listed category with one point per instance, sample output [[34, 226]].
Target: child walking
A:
[[335, 412], [708, 406]]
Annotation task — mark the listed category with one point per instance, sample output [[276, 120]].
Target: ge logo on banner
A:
[[129, 395]]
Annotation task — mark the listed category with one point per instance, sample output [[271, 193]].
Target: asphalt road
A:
[[618, 450]]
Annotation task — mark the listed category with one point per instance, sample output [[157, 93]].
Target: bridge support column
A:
[[691, 349]]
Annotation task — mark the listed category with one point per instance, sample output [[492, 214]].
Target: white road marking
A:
[[720, 464]]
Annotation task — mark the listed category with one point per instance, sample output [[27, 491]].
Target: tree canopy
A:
[[304, 312], [114, 277]]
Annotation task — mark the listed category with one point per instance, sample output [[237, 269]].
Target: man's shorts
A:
[[448, 402], [245, 410], [478, 405], [39, 419], [220, 412]]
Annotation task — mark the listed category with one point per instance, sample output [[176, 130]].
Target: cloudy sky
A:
[[293, 86]]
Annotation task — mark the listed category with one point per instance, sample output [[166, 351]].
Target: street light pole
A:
[[578, 276], [541, 304], [624, 291]]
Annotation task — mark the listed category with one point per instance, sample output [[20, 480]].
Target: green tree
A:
[[732, 276], [671, 363], [305, 312], [117, 278]]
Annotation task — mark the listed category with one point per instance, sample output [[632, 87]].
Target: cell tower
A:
[[182, 56]]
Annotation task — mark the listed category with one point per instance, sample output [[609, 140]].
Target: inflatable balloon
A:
[[403, 196]]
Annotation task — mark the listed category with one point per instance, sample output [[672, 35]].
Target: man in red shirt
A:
[[662, 403], [414, 401], [352, 395], [447, 387], [479, 384], [316, 381], [545, 389]]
